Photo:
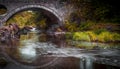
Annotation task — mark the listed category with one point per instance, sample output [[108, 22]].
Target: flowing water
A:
[[34, 51]]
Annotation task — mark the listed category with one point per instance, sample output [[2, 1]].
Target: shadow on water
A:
[[34, 51]]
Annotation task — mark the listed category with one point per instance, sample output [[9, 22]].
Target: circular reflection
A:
[[37, 47], [33, 50], [3, 9]]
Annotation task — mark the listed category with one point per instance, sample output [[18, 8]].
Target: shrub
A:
[[98, 31], [92, 35], [105, 37], [116, 37], [71, 27], [81, 36], [87, 25]]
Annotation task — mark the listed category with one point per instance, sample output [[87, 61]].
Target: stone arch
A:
[[51, 12]]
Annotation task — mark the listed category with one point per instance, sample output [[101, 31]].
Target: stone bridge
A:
[[55, 9]]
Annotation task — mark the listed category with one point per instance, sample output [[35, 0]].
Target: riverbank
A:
[[93, 32], [91, 36]]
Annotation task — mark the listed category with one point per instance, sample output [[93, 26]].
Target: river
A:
[[41, 51]]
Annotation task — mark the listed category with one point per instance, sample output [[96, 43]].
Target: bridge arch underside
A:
[[52, 19]]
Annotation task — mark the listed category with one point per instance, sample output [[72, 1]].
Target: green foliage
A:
[[97, 10], [92, 35], [98, 31], [83, 36], [104, 36], [22, 18], [100, 13], [28, 18], [71, 27], [108, 37], [86, 25], [116, 37]]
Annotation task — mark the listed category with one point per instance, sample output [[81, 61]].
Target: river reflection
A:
[[33, 49], [41, 50]]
